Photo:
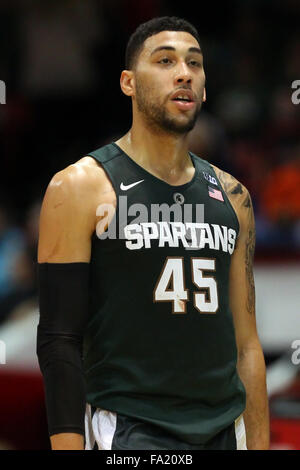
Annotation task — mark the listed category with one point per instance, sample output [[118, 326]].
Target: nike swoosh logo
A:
[[128, 186]]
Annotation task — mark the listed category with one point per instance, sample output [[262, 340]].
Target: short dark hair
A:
[[150, 28]]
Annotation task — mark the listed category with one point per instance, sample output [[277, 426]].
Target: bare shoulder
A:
[[77, 184], [237, 194], [82, 175], [73, 195], [68, 213]]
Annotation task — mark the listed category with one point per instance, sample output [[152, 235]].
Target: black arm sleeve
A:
[[63, 302]]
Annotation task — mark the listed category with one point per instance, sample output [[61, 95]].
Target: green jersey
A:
[[160, 343]]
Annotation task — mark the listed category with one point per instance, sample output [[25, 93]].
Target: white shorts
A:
[[101, 425]]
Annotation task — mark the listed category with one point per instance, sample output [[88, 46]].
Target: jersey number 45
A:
[[170, 286]]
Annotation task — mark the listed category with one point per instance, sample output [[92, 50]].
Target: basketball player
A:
[[147, 336]]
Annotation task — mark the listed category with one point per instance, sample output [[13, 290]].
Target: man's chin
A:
[[180, 125]]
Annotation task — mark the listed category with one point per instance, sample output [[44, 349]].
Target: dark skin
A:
[[251, 365], [239, 195], [68, 217]]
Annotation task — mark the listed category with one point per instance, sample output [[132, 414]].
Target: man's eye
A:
[[195, 63], [165, 60]]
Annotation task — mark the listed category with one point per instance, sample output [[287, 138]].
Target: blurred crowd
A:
[[61, 62]]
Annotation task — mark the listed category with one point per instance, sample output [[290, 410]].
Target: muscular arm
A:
[[251, 364], [67, 222]]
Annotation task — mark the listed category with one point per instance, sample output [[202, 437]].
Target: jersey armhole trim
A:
[[228, 200], [113, 183]]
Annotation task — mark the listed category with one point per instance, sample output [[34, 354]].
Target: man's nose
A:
[[183, 74]]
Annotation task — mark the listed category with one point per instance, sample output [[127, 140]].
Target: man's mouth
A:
[[182, 98], [184, 105], [183, 95]]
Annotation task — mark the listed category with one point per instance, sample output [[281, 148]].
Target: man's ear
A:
[[127, 82], [204, 95]]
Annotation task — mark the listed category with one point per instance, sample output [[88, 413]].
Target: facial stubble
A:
[[156, 114]]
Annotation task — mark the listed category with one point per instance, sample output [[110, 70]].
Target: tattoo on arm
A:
[[237, 189], [247, 202], [240, 199], [227, 181]]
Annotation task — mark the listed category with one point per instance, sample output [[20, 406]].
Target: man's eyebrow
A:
[[195, 49], [171, 48], [161, 48]]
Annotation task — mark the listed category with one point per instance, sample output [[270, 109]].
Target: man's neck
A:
[[162, 154]]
